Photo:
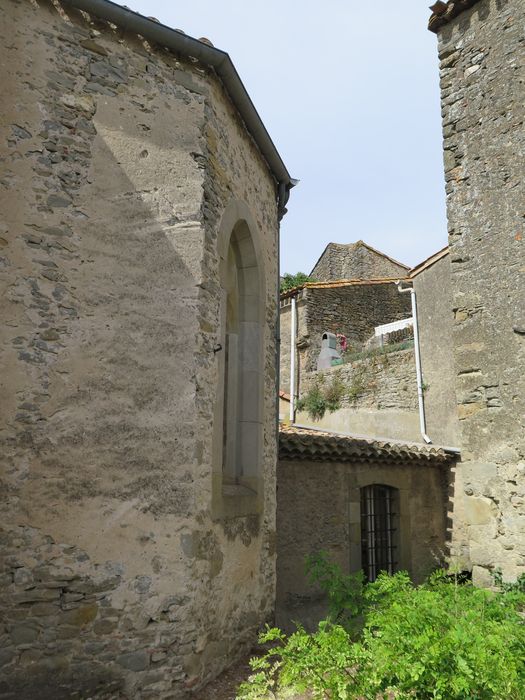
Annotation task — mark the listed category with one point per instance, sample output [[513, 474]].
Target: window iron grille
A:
[[378, 530]]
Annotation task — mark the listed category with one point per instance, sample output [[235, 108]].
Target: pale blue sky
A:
[[349, 93]]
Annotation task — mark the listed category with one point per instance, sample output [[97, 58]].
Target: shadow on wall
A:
[[109, 314]]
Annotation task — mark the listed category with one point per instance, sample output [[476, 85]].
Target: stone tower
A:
[[481, 52]]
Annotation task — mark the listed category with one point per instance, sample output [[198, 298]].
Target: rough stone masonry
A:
[[482, 52], [120, 162]]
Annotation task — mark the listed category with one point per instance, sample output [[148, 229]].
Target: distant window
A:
[[379, 530]]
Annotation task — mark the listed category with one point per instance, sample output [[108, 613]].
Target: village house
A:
[[352, 290], [471, 325], [378, 367]]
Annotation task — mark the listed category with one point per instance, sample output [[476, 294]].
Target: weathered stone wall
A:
[[318, 508], [481, 67], [354, 261], [436, 320], [381, 381], [118, 162], [236, 550], [352, 310], [380, 397]]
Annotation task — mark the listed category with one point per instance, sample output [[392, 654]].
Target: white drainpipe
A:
[[292, 359], [420, 399]]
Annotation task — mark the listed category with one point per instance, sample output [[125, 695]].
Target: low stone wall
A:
[[380, 398], [382, 381]]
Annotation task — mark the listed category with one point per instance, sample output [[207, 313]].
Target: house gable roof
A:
[[429, 262], [355, 246]]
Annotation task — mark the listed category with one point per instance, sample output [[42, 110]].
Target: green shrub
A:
[[289, 281], [438, 640], [344, 592], [334, 392], [351, 355], [517, 586], [313, 402], [321, 397]]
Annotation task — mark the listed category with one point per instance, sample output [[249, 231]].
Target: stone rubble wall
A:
[[69, 627], [380, 398], [482, 70], [383, 381], [118, 160], [356, 261], [353, 311]]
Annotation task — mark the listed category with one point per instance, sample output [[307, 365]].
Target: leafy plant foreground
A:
[[393, 640]]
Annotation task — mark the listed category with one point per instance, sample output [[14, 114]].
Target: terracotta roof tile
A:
[[429, 261], [341, 283], [297, 443], [444, 12]]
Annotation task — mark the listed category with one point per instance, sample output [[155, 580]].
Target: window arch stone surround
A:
[[395, 478], [238, 429]]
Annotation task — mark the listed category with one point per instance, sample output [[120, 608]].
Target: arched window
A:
[[379, 530], [242, 370]]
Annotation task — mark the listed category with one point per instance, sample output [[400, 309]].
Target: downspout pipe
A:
[[278, 337], [293, 333], [417, 354]]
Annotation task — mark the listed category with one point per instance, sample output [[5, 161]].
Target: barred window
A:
[[379, 530]]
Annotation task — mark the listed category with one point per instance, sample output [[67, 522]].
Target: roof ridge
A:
[[384, 255], [428, 262], [357, 244]]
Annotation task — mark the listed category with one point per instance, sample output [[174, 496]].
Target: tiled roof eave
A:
[[296, 454], [316, 446], [443, 13], [335, 284]]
